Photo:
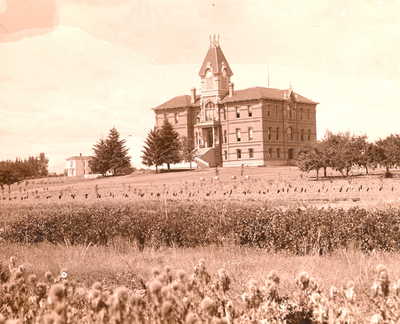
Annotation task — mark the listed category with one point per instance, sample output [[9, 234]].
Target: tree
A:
[[388, 151], [152, 149], [189, 151], [310, 157], [10, 172], [110, 154], [170, 144]]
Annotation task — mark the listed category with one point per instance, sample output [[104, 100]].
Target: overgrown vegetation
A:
[[155, 224]]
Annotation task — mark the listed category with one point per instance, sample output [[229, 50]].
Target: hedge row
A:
[[187, 224]]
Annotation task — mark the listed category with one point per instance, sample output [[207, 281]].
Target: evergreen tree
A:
[[170, 144], [152, 149], [110, 154]]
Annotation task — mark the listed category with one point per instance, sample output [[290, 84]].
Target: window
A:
[[251, 153], [308, 113], [289, 134], [270, 153], [210, 110], [269, 133], [250, 134], [278, 153], [268, 111], [198, 116], [239, 154], [176, 118], [250, 110], [209, 79], [238, 135], [225, 137], [289, 111], [165, 116], [301, 113], [225, 114], [71, 164], [290, 154], [226, 155], [309, 135], [276, 111], [302, 135], [237, 112], [277, 133]]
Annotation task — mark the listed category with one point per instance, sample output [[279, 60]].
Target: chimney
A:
[[230, 87], [80, 154], [193, 100]]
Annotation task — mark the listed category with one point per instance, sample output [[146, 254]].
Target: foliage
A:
[[110, 155], [191, 224], [18, 170], [189, 151], [388, 151], [171, 296], [310, 158], [170, 144], [152, 149]]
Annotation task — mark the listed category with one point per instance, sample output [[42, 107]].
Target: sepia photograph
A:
[[199, 161]]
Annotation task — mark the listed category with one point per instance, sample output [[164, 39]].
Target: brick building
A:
[[254, 126]]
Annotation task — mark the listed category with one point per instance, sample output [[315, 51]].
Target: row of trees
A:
[[18, 170], [164, 146], [342, 151]]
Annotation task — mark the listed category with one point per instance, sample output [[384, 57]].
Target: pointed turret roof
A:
[[215, 59]]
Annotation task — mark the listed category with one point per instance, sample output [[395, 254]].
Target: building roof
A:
[[179, 102], [265, 93], [78, 157], [216, 60]]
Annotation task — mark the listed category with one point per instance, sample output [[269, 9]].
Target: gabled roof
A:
[[79, 157], [179, 102], [216, 60], [265, 93]]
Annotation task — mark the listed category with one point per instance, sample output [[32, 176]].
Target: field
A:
[[247, 221]]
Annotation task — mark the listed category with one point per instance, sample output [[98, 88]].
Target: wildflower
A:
[[350, 294], [155, 286], [175, 285], [32, 278], [303, 280], [271, 289], [167, 269], [181, 274], [333, 292], [48, 275], [155, 272], [207, 305], [191, 318], [380, 268], [166, 308], [97, 285], [313, 284], [121, 294], [63, 274], [56, 293], [316, 297], [273, 275], [22, 268], [253, 286]]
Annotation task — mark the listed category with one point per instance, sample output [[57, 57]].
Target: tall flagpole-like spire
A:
[[214, 17]]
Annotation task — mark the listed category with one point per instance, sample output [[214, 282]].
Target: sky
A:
[[70, 70]]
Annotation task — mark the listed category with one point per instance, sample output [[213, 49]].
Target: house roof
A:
[[265, 93], [78, 157], [179, 102], [216, 60]]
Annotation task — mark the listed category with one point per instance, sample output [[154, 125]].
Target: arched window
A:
[[289, 134], [278, 153], [250, 134], [225, 137], [226, 155], [250, 111], [301, 113], [277, 133], [268, 111], [238, 138], [224, 80], [302, 135], [209, 79], [251, 153], [210, 110], [276, 111], [308, 113], [269, 133], [270, 153], [239, 154], [237, 112]]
